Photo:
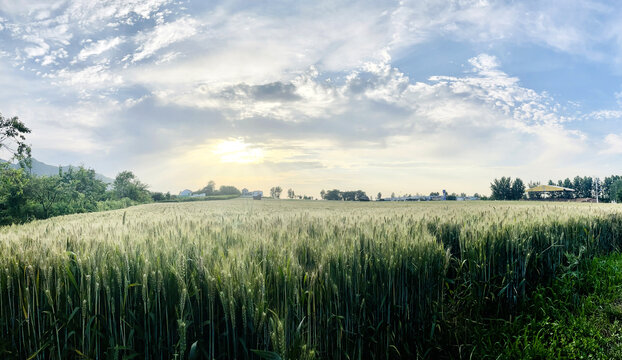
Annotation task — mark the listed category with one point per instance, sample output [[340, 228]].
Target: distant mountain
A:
[[42, 169]]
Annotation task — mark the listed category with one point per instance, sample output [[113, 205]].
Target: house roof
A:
[[548, 188]]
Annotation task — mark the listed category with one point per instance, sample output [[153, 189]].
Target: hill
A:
[[42, 169]]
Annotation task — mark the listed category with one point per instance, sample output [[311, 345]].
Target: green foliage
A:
[[127, 185], [615, 191], [335, 194], [275, 192], [578, 317], [506, 189], [26, 197], [228, 190], [13, 202], [13, 137]]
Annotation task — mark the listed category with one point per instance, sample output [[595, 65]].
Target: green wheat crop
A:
[[302, 279]]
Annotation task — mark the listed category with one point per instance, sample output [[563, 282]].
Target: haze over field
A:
[[409, 96]]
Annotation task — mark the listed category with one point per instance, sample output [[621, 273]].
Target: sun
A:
[[236, 151]]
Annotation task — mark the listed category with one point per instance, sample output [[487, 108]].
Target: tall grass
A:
[[304, 280]]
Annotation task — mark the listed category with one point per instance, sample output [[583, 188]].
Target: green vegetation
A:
[[25, 197], [358, 195], [210, 190], [246, 279], [507, 189], [13, 138], [578, 317]]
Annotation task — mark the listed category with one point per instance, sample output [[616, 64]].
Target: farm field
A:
[[282, 279]]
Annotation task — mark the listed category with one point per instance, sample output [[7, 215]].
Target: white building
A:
[[185, 193]]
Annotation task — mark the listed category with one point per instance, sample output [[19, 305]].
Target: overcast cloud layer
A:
[[383, 96]]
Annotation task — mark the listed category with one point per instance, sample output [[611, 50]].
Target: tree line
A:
[[24, 196], [210, 190], [607, 190], [335, 194]]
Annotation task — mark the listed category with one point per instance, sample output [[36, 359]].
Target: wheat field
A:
[[277, 279]]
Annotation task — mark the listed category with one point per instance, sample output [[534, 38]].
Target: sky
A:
[[384, 96]]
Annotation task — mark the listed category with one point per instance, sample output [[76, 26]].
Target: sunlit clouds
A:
[[405, 97]]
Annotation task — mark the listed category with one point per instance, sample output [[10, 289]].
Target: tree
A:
[[13, 138], [501, 188], [158, 196], [322, 194], [567, 183], [615, 191], [83, 188], [127, 185], [13, 199], [275, 192], [208, 189], [333, 195], [47, 191], [518, 189], [290, 193], [379, 196], [228, 190]]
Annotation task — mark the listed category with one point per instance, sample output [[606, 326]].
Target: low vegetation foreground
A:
[[283, 279]]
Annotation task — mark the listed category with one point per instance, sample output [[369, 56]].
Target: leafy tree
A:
[[275, 192], [127, 185], [13, 200], [158, 196], [46, 192], [13, 137], [83, 188], [518, 189], [379, 196], [333, 195], [228, 190], [615, 191], [323, 194], [501, 188], [606, 186], [358, 195], [587, 187], [209, 189], [567, 183], [290, 193]]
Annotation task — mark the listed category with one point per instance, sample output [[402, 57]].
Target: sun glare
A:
[[236, 151]]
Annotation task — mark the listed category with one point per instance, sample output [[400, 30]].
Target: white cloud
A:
[[318, 78], [87, 80], [163, 36], [53, 56], [98, 47], [613, 144], [604, 115]]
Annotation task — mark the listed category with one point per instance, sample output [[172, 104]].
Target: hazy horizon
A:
[[400, 97]]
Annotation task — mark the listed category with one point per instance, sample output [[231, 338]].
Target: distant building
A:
[[257, 194], [198, 195], [185, 193]]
